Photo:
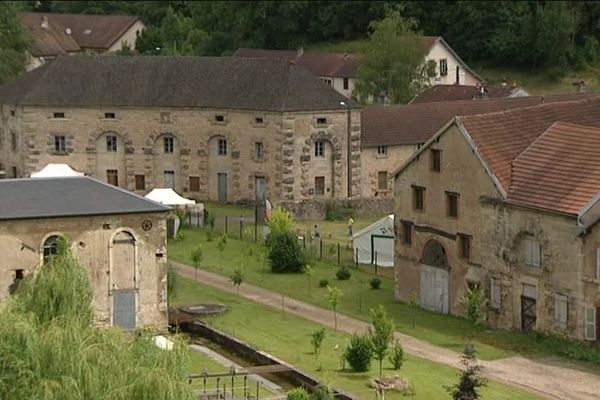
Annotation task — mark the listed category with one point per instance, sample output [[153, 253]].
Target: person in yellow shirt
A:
[[350, 226]]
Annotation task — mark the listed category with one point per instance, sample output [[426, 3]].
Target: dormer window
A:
[[58, 115], [219, 118]]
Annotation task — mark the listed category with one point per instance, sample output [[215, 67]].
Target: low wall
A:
[[316, 208], [256, 356]]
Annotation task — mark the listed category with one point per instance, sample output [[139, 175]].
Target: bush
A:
[[323, 283], [284, 252], [475, 302], [322, 392], [338, 211], [343, 273], [298, 393], [397, 355], [375, 283], [281, 220], [359, 353]]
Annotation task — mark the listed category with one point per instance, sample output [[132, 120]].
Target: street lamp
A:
[[349, 144]]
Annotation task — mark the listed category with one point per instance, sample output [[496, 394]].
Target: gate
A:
[[528, 315], [434, 277], [124, 308]]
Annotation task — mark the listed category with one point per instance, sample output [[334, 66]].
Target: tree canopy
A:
[[13, 42]]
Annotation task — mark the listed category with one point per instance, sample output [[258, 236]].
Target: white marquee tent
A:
[[56, 170], [168, 197], [376, 241]]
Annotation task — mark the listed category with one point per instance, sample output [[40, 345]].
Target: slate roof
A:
[[416, 123], [559, 171], [213, 82], [68, 197], [97, 32], [460, 92], [338, 65]]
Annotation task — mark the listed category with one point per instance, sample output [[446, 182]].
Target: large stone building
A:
[[226, 129], [390, 134], [119, 237], [507, 201]]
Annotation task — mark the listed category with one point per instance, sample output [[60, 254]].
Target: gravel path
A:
[[543, 379]]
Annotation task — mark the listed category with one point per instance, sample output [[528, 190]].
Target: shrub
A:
[[397, 355], [359, 353], [375, 283], [222, 243], [209, 236], [322, 392], [298, 393], [475, 302], [323, 283], [281, 220], [284, 252], [343, 273]]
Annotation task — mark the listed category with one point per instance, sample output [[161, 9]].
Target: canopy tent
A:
[[375, 243], [168, 197], [56, 171]]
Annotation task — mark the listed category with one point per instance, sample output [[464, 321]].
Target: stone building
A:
[[390, 134], [226, 129], [507, 201], [463, 92], [118, 236]]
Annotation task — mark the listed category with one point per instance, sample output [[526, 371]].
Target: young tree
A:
[[13, 42], [237, 277], [393, 60], [475, 302], [397, 355], [316, 340], [381, 334], [309, 272], [470, 380], [334, 294], [197, 256]]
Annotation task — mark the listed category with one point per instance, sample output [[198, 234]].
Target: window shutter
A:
[[590, 323], [561, 311], [598, 263], [536, 253], [495, 293]]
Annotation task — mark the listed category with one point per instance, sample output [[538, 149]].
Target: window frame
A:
[[450, 196], [115, 173], [319, 178], [222, 146], [418, 192], [436, 160], [382, 151], [589, 322], [50, 247], [259, 150], [560, 300], [319, 148], [58, 115], [346, 84], [385, 185], [110, 115], [14, 141], [443, 64], [407, 232], [60, 144], [464, 240], [321, 120], [110, 146], [168, 144], [140, 178], [530, 246], [495, 293], [195, 187], [169, 172]]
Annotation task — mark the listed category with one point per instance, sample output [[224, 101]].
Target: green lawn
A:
[[287, 337]]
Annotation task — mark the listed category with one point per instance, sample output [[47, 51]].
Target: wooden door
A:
[[222, 186], [528, 313], [319, 185]]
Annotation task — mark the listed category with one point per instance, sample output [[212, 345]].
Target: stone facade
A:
[[376, 161], [558, 288], [125, 251], [168, 146]]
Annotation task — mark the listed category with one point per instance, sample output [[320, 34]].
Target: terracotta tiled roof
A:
[[501, 137], [460, 92], [416, 123], [50, 41], [321, 64], [88, 31], [559, 171]]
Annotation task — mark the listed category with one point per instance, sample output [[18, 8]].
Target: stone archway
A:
[[222, 167], [434, 286], [327, 167], [124, 278]]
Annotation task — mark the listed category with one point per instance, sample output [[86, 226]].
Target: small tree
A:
[[333, 295], [316, 340], [475, 302], [197, 256], [359, 353], [237, 277], [298, 393], [281, 220], [322, 392], [397, 355], [381, 334], [222, 243], [470, 378], [309, 272]]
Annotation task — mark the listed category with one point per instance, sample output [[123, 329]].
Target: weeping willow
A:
[[50, 350]]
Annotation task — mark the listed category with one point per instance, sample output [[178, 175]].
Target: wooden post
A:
[[320, 248], [226, 225], [356, 258], [338, 253], [241, 226], [375, 263]]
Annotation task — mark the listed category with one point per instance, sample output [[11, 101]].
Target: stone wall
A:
[[316, 209], [373, 163]]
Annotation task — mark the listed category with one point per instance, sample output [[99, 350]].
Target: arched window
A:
[[51, 246], [434, 255], [124, 237]]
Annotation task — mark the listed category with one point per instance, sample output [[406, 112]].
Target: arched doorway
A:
[[123, 280], [220, 169], [434, 277]]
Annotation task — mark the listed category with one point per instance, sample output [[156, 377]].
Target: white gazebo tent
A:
[[168, 197], [375, 243], [56, 170]]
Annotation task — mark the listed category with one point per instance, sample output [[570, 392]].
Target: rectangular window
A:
[[13, 141], [222, 147], [452, 204], [382, 150], [111, 143], [168, 144], [495, 293], [140, 182], [346, 84], [436, 160], [259, 120], [561, 311], [219, 118], [60, 144], [15, 172], [112, 176], [169, 179], [319, 185], [443, 67], [58, 115], [532, 251], [12, 113], [590, 323], [320, 148], [259, 150], [382, 180], [464, 246], [419, 198], [321, 121], [109, 115], [194, 183], [407, 232]]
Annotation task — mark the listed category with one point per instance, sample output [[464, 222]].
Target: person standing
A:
[[350, 226]]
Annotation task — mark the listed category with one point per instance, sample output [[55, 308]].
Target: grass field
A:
[[287, 336]]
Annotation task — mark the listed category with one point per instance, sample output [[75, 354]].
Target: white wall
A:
[[439, 52]]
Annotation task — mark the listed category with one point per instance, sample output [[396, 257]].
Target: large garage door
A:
[[434, 288], [124, 308]]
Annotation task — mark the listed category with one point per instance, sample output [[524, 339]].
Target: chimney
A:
[[300, 51], [44, 23]]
